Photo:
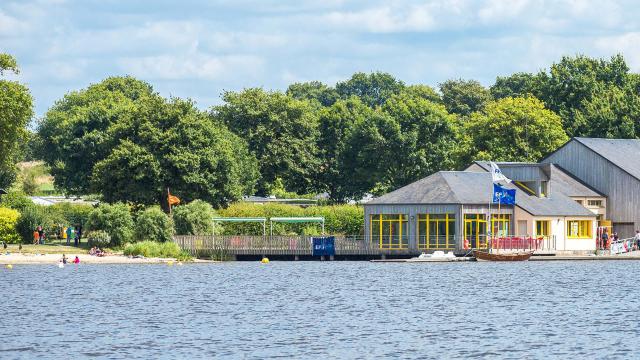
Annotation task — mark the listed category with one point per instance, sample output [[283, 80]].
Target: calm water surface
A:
[[322, 310]]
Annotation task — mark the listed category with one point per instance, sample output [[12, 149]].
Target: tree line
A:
[[371, 133]]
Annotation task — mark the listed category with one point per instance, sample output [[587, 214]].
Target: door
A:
[[522, 228]]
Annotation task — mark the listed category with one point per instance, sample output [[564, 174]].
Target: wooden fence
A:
[[207, 245]]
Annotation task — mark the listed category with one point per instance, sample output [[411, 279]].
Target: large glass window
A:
[[475, 230], [579, 229], [543, 227], [436, 231], [390, 231], [501, 225]]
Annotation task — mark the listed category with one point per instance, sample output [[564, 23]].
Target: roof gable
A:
[[623, 153]]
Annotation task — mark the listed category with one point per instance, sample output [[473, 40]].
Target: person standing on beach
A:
[[40, 235], [605, 238], [636, 240]]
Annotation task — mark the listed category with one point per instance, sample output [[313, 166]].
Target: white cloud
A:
[[194, 66]]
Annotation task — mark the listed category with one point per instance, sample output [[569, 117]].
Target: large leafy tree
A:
[[313, 91], [463, 97], [516, 85], [573, 81], [428, 140], [336, 127], [611, 112], [370, 147], [281, 133], [120, 139], [513, 129], [373, 89], [16, 109]]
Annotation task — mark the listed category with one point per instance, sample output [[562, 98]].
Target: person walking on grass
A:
[[36, 237], [69, 234]]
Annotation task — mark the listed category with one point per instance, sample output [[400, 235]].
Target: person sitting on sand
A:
[[92, 252]]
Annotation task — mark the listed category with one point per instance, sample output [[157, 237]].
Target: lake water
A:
[[322, 310]]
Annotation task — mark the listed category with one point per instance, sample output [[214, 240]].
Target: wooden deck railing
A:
[[203, 245]]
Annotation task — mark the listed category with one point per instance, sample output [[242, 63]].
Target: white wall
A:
[[558, 230]]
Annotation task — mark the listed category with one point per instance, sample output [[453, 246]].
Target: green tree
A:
[[123, 141], [422, 91], [515, 85], [513, 129], [280, 131], [153, 224], [336, 126], [194, 218], [16, 109], [76, 129], [611, 113], [463, 97], [313, 91], [373, 89], [573, 81], [428, 138], [371, 148]]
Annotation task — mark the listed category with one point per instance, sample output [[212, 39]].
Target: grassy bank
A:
[[45, 249]]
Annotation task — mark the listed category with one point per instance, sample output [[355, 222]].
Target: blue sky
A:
[[198, 49]]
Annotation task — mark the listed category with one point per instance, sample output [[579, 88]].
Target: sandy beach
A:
[[25, 259]]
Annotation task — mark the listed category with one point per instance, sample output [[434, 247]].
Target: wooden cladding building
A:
[[612, 168]]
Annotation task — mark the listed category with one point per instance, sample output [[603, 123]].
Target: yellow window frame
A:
[[543, 227], [426, 219], [584, 229], [400, 221]]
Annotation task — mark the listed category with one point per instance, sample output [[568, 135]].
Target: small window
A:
[[579, 229], [579, 202], [594, 203], [542, 228]]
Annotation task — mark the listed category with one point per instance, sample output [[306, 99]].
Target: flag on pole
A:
[[172, 199], [503, 196], [496, 173]]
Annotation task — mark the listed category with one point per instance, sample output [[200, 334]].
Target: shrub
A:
[[16, 200], [194, 218], [155, 249], [35, 215], [115, 220], [8, 221], [98, 238], [73, 214], [153, 224]]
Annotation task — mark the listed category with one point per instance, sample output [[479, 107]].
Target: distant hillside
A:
[[34, 179]]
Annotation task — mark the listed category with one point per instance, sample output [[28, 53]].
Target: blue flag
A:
[[503, 196]]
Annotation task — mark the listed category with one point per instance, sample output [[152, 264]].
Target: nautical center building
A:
[[561, 203]]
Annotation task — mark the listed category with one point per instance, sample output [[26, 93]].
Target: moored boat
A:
[[487, 256]]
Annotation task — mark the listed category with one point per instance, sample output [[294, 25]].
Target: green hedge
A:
[[339, 219], [155, 249]]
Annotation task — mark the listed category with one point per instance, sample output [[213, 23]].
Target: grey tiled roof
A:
[[624, 153], [559, 179], [475, 188]]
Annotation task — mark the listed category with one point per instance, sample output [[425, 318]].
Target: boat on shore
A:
[[487, 256]]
